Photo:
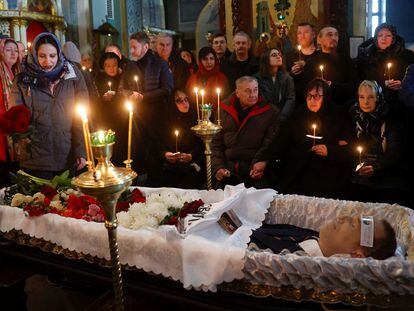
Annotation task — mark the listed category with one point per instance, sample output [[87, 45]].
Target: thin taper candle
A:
[[136, 81], [299, 48], [202, 105], [176, 140], [109, 85], [314, 133], [321, 69], [129, 107], [389, 70], [198, 109], [86, 136], [360, 154], [218, 106]]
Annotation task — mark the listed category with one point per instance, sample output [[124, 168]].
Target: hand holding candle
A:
[[176, 133]]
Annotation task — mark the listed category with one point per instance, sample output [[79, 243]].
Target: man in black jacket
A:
[[241, 62], [147, 82]]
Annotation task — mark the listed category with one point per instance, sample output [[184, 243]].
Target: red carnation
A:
[[172, 221], [122, 206], [190, 208], [48, 191], [137, 196]]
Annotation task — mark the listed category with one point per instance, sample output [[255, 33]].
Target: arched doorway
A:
[[34, 29]]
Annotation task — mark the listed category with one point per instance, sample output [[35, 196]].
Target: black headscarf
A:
[[33, 72]]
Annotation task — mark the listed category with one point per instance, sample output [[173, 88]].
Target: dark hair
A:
[[140, 36], [193, 60], [264, 69], [318, 83], [108, 55], [113, 44], [204, 51], [219, 34], [307, 24], [46, 40], [384, 246]]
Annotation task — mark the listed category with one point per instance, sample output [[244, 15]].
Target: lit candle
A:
[[129, 107], [389, 70], [218, 105], [29, 45], [176, 140], [90, 69], [101, 137], [198, 109], [83, 68], [360, 154], [299, 48], [86, 136], [314, 133], [321, 69], [136, 82], [109, 85], [202, 103]]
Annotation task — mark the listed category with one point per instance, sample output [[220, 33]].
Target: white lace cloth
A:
[[205, 257], [344, 275]]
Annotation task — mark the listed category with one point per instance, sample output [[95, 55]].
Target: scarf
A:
[[34, 73]]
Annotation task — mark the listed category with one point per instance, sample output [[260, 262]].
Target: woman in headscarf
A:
[[51, 87], [313, 147], [380, 175], [374, 55], [182, 155], [9, 67], [208, 77]]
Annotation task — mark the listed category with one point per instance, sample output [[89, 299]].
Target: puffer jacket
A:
[[246, 141], [58, 127]]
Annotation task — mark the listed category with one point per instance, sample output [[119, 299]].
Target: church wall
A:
[[400, 14]]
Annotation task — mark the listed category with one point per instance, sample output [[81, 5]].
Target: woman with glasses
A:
[[182, 157], [313, 147], [379, 176], [275, 84]]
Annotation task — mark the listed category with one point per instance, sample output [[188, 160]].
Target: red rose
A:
[[34, 210], [172, 221], [122, 206], [190, 208], [74, 202], [48, 192], [137, 196]]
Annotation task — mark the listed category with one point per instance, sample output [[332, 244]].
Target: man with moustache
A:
[[338, 70], [241, 62]]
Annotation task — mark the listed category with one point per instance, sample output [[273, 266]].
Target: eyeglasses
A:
[[181, 100], [314, 96]]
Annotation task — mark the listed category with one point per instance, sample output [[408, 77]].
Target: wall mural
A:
[[208, 23]]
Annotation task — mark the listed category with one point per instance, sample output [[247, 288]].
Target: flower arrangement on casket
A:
[[37, 196]]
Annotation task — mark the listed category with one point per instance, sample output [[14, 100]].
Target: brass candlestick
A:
[[106, 183], [206, 131]]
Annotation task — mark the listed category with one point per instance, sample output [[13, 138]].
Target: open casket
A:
[[207, 258]]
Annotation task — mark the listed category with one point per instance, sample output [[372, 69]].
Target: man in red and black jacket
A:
[[249, 127]]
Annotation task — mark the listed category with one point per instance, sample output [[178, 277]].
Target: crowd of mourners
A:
[[305, 121]]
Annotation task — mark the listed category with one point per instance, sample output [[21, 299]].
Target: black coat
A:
[[233, 69], [341, 71], [304, 172]]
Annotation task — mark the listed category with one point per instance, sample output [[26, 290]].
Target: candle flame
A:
[[109, 84], [101, 136], [176, 133], [314, 126], [136, 78], [321, 67], [29, 44], [359, 148], [82, 112], [218, 90], [389, 65], [83, 68], [202, 92], [129, 106], [196, 90], [299, 47], [90, 69]]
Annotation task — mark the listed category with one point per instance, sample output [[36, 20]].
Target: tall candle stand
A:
[[206, 130], [106, 183]]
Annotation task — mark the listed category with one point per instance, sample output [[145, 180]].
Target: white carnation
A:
[[144, 221], [39, 197], [124, 219], [135, 209], [57, 205], [18, 199], [158, 210], [56, 197]]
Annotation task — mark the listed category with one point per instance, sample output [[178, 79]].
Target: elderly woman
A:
[[313, 147], [50, 87], [275, 84], [9, 67], [182, 155], [374, 55], [380, 175]]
